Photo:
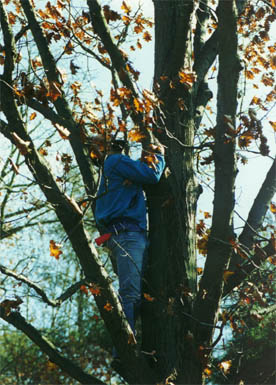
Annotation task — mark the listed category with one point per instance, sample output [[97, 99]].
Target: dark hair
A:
[[118, 145]]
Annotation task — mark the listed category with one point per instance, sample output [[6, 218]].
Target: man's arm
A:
[[139, 171]]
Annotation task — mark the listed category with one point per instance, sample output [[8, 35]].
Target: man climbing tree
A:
[[122, 217], [211, 107]]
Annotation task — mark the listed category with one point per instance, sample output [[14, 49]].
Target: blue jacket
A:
[[120, 193]]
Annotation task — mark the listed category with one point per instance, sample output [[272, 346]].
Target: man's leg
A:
[[129, 249]]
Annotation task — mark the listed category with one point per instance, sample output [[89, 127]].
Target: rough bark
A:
[[171, 276]]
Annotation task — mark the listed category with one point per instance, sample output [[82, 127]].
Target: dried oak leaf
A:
[[55, 249]]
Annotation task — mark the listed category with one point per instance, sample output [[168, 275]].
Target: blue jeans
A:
[[129, 249]]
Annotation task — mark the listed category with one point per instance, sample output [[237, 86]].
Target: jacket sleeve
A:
[[140, 172]]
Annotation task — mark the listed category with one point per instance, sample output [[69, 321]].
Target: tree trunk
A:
[[171, 275]]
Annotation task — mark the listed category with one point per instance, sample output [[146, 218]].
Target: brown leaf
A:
[[227, 274], [147, 36], [36, 62], [273, 208], [225, 366], [131, 339], [8, 305], [207, 372], [43, 151], [138, 105], [55, 249], [73, 68], [199, 270], [84, 289], [108, 306], [95, 290], [12, 18], [33, 116], [69, 48], [126, 7], [273, 62], [135, 136], [148, 297], [54, 91], [273, 124], [110, 15], [139, 45], [255, 100], [138, 28], [249, 74], [186, 77]]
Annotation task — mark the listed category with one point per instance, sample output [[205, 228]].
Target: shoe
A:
[[116, 364]]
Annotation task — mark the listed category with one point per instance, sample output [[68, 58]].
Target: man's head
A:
[[102, 145], [117, 145]]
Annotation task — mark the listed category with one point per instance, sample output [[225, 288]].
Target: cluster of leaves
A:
[[259, 66], [258, 58], [203, 231], [74, 32]]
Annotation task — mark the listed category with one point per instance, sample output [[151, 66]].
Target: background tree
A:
[[247, 356], [44, 49]]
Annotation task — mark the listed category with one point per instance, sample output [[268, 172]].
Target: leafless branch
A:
[[55, 303]]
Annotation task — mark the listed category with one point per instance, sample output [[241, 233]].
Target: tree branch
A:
[[9, 44], [205, 54], [119, 63], [202, 16], [61, 105], [267, 310], [47, 112], [259, 208], [7, 233], [18, 35], [55, 303], [244, 270], [19, 322], [211, 284], [246, 239], [208, 51]]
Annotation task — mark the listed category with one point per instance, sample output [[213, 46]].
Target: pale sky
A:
[[251, 176]]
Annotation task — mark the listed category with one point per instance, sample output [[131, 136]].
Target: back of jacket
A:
[[120, 193]]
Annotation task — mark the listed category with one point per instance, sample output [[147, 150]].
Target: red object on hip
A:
[[103, 238]]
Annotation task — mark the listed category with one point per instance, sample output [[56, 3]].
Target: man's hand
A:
[[158, 149]]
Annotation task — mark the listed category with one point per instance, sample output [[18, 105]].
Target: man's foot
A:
[[116, 363]]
